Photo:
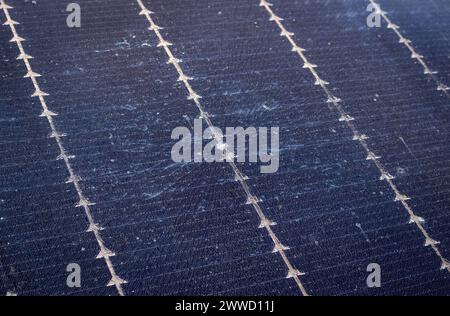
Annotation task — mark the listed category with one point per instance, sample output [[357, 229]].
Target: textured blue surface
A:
[[185, 228]]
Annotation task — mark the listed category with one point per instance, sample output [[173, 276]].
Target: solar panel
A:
[[93, 203]]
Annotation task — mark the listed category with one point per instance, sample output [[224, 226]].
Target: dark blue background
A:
[[184, 228]]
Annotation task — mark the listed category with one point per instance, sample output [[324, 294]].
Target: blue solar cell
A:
[[87, 176]]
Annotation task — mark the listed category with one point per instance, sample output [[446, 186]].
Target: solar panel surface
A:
[[86, 170]]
